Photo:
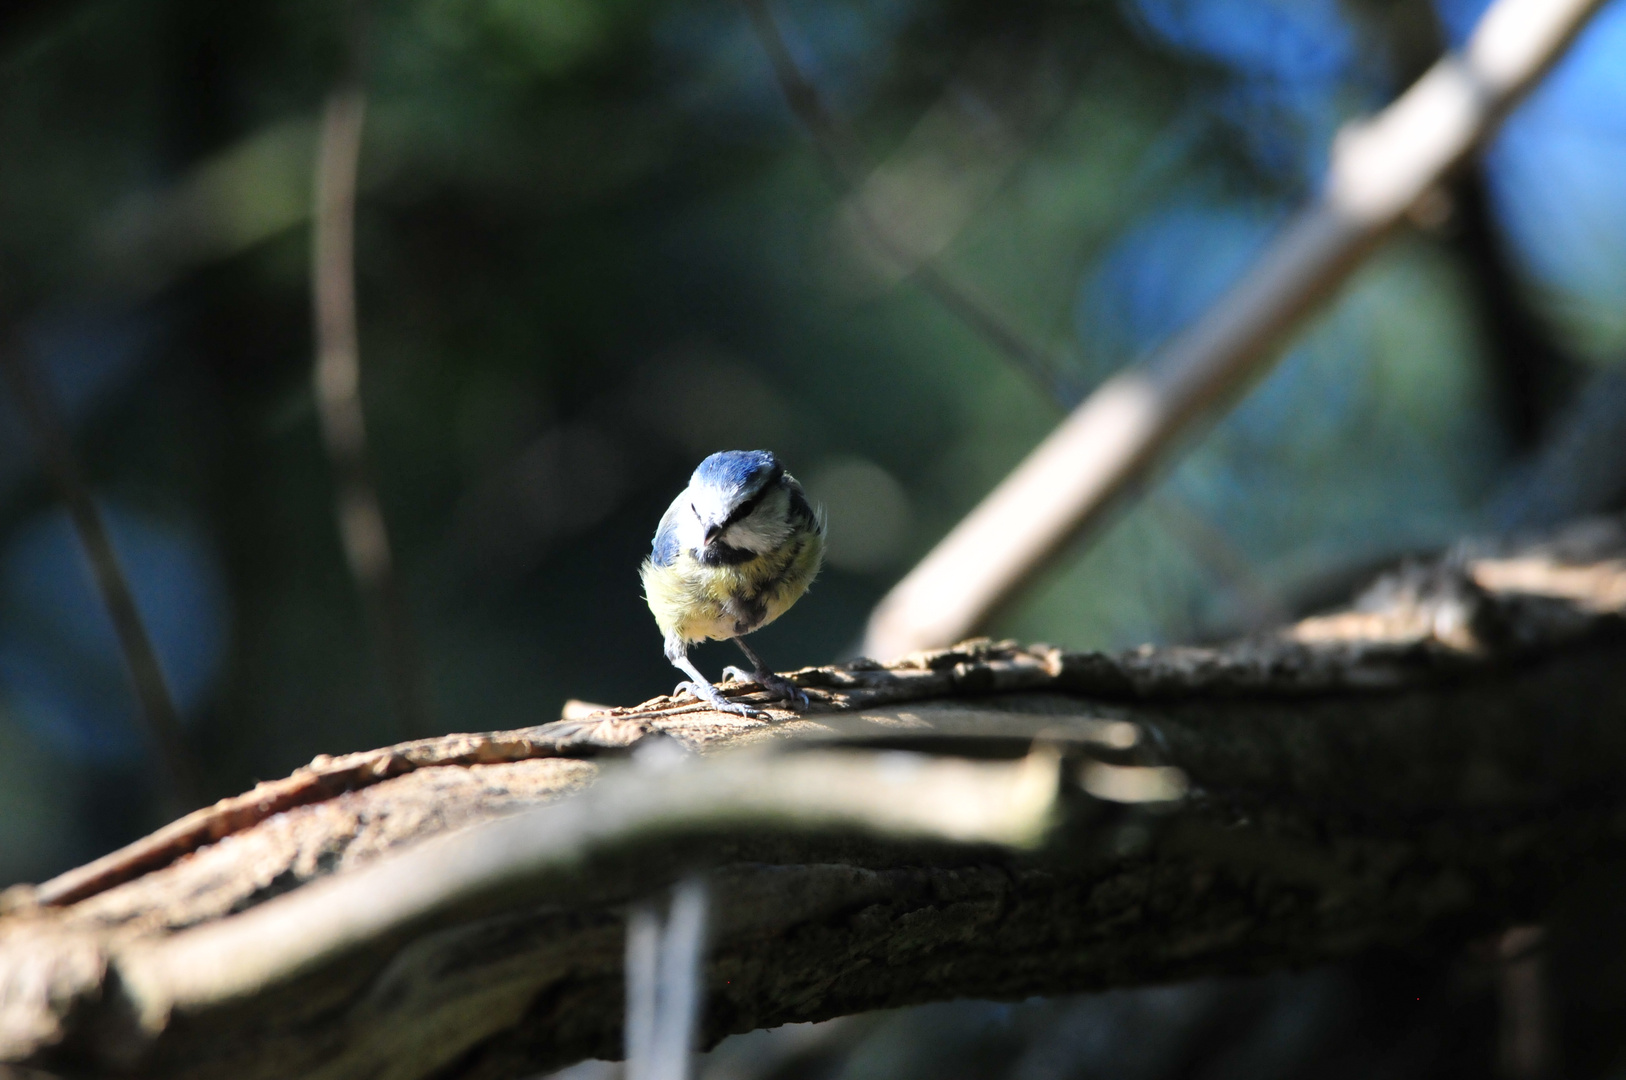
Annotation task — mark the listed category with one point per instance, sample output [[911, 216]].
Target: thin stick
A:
[[845, 160], [337, 381], [665, 981], [1525, 1042], [683, 981], [643, 985], [1136, 420], [141, 660]]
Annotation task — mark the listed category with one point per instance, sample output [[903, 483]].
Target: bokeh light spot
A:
[[869, 511]]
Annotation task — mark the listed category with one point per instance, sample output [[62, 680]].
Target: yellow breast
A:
[[693, 601]]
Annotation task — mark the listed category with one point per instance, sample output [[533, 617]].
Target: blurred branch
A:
[[337, 382], [452, 915], [665, 975], [1525, 1042], [50, 432], [845, 160], [1137, 419]]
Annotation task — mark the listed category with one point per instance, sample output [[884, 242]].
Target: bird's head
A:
[[738, 502]]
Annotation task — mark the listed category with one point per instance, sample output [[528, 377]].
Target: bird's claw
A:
[[788, 692], [710, 696], [776, 685]]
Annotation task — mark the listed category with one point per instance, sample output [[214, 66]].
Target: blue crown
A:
[[736, 470]]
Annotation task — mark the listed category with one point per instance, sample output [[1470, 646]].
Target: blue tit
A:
[[733, 552]]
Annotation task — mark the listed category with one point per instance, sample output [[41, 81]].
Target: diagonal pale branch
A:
[[991, 820], [1134, 422]]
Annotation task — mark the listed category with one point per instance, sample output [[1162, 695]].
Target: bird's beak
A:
[[712, 532]]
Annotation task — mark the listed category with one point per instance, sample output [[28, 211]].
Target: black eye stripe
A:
[[744, 509]]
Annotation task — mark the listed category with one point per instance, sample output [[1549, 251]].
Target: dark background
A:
[[595, 245]]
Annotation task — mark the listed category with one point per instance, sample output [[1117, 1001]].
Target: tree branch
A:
[[152, 694], [1136, 420], [1427, 766], [337, 383]]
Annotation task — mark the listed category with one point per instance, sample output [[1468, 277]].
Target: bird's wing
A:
[[665, 549]]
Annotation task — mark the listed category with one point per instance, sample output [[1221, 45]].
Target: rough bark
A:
[[1429, 765]]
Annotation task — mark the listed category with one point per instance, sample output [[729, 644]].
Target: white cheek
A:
[[763, 531], [746, 538]]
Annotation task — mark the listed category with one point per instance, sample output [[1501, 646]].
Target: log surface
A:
[[991, 820]]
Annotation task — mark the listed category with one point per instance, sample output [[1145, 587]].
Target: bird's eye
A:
[[693, 510]]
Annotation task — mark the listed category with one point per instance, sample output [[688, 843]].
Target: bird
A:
[[733, 552]]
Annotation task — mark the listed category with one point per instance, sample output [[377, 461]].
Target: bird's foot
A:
[[776, 685], [708, 693]]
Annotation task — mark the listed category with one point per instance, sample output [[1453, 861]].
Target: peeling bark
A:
[[1431, 764]]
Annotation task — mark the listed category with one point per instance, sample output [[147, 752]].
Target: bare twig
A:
[[337, 380], [844, 158], [39, 412], [1133, 423]]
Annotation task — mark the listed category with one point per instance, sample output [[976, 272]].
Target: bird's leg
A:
[[776, 685], [698, 686]]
